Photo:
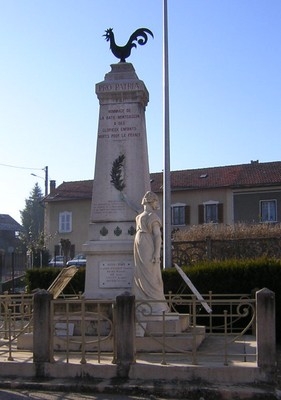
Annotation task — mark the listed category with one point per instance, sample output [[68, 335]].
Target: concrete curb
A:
[[173, 390]]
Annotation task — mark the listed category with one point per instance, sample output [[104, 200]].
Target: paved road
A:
[[6, 394]]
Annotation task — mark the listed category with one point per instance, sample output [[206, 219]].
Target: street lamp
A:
[[45, 169]]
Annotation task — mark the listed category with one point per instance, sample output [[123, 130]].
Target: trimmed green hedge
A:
[[229, 276], [42, 278]]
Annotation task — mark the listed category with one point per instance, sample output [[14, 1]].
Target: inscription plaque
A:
[[115, 274]]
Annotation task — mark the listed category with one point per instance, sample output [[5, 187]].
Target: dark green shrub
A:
[[42, 278], [229, 276]]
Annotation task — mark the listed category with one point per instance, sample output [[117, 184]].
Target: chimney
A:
[[52, 186]]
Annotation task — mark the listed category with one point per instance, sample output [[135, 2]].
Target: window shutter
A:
[[220, 213], [187, 215], [200, 214]]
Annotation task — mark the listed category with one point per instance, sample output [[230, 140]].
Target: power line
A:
[[45, 169], [15, 166]]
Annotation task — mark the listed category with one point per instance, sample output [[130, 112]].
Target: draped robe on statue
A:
[[148, 283]]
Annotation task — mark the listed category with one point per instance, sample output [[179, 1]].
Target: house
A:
[[67, 215], [12, 258], [248, 193]]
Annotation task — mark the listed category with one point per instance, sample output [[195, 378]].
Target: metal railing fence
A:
[[193, 251], [239, 308], [15, 319], [232, 320], [86, 328]]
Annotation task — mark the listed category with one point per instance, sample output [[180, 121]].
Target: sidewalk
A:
[[211, 353], [172, 376]]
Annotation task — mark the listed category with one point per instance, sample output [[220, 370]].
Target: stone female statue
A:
[[148, 283]]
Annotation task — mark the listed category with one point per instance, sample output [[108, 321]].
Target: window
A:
[[65, 222], [210, 212], [180, 214], [268, 210]]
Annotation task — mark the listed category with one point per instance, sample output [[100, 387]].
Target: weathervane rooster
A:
[[123, 52]]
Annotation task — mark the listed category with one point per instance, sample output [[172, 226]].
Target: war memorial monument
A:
[[123, 250], [121, 174]]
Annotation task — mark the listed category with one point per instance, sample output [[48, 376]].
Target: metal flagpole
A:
[[167, 254]]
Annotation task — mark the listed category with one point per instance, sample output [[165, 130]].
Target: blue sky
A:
[[225, 84]]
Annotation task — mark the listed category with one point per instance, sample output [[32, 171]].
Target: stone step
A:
[[156, 324], [173, 343]]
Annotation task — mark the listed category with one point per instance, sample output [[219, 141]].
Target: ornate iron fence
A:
[[85, 329], [16, 319], [192, 252], [232, 319], [83, 326]]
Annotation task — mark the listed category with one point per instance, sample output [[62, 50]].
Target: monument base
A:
[[110, 268]]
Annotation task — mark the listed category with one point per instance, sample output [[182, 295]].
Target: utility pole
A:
[[46, 180]]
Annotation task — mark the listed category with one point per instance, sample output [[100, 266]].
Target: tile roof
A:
[[254, 174], [75, 190], [7, 223]]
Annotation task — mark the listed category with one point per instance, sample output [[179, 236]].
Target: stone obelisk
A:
[[120, 181]]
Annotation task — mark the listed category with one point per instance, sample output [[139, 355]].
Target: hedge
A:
[[41, 278]]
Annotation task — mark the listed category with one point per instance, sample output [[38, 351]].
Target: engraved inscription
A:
[[126, 86], [109, 208], [119, 123], [115, 274]]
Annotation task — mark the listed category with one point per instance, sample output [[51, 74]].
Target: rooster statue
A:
[[123, 52]]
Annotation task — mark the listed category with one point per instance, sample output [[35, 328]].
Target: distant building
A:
[[248, 193], [67, 215], [12, 258]]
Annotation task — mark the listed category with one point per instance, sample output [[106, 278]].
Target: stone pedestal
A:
[[120, 181]]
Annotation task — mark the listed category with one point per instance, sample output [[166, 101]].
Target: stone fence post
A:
[[125, 333], [42, 340], [265, 329]]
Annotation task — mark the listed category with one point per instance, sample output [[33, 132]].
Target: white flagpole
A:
[[167, 253]]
